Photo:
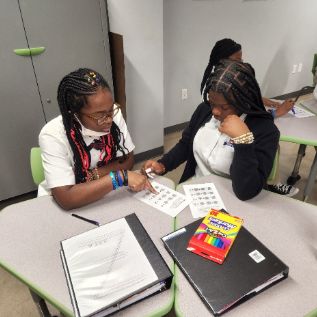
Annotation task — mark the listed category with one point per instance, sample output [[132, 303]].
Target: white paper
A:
[[300, 112], [106, 264], [203, 198], [310, 104], [167, 200]]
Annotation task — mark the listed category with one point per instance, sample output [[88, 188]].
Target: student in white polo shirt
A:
[[229, 134], [87, 151]]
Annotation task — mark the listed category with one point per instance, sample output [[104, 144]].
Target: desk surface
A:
[[288, 227], [298, 130], [30, 235]]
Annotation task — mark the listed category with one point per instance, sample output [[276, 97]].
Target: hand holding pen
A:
[[285, 107]]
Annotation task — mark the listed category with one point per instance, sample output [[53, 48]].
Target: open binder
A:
[[112, 266], [248, 269]]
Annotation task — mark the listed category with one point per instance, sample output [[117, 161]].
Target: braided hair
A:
[[72, 94], [236, 82], [222, 49]]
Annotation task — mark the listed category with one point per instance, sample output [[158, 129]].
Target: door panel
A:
[[74, 34], [21, 111]]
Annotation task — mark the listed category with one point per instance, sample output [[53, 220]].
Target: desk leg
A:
[[41, 305], [312, 177], [295, 177]]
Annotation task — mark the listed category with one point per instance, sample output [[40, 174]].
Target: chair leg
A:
[[295, 176], [40, 304], [311, 178]]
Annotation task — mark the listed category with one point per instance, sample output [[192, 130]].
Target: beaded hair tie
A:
[[92, 78]]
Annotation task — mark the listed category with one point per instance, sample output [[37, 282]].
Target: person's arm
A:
[[252, 163], [118, 164], [59, 175], [268, 103], [284, 108], [78, 195], [180, 152]]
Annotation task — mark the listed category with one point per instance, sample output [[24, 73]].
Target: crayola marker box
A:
[[215, 236]]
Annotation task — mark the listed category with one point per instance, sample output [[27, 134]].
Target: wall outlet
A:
[[294, 70], [184, 93], [300, 67]]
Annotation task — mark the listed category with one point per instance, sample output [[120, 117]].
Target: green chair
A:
[[36, 165]]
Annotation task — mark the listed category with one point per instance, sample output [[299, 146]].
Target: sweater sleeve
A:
[[252, 163], [183, 149]]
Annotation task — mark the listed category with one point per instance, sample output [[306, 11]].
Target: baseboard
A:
[[148, 154], [175, 128]]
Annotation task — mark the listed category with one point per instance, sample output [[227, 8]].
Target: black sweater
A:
[[251, 164]]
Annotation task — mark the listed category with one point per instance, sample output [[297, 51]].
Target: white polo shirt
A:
[[212, 149], [57, 155]]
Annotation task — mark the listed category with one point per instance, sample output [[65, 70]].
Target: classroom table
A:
[[302, 131], [30, 235], [286, 226]]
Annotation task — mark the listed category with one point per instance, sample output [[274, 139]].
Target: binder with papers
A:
[[249, 269], [112, 266]]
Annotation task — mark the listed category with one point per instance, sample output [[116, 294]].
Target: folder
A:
[[249, 268], [112, 266]]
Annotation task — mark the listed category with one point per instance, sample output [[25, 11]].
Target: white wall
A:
[[141, 24], [274, 34]]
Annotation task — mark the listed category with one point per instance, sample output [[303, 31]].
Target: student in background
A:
[[87, 151], [227, 48], [230, 133]]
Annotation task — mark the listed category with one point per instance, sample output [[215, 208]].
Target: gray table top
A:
[[298, 130], [286, 226], [30, 235]]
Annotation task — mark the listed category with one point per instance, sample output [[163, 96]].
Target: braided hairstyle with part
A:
[[222, 49], [72, 94], [236, 82]]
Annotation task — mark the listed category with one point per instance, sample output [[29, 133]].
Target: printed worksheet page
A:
[[167, 200], [105, 265], [300, 112], [203, 198]]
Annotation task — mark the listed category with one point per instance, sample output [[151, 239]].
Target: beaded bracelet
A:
[[246, 138], [90, 176], [96, 173], [113, 180], [272, 112], [120, 180], [125, 177]]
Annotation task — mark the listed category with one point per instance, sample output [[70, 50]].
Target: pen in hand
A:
[[96, 223]]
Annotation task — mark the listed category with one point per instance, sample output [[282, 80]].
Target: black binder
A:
[[163, 273], [223, 286]]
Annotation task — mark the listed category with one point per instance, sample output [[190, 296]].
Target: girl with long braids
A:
[[230, 133], [87, 151], [229, 49]]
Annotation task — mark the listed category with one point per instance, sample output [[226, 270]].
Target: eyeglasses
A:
[[103, 116]]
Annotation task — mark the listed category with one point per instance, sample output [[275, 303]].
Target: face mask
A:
[[87, 132]]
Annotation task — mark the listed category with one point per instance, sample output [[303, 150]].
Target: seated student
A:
[[230, 134], [87, 150], [227, 48]]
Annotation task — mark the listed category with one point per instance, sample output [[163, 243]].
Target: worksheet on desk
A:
[[203, 198], [299, 112], [167, 200]]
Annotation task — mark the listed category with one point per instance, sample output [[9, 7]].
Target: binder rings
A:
[[112, 266], [248, 269]]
